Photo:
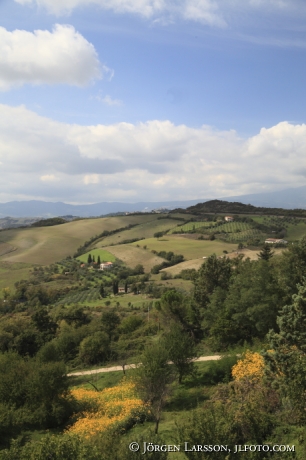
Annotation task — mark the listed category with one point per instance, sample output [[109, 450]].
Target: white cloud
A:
[[205, 11], [144, 8], [108, 100], [153, 160], [48, 178], [91, 179], [216, 13], [43, 57]]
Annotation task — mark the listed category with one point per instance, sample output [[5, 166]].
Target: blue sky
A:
[[108, 100]]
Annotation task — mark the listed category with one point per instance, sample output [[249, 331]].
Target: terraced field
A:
[[231, 227], [89, 296], [244, 235], [191, 226]]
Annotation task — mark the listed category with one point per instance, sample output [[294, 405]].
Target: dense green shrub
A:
[[219, 371]]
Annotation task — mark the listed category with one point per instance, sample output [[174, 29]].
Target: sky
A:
[[151, 100]]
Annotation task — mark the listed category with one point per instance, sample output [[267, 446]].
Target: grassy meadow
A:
[[12, 272], [189, 248], [105, 256], [187, 265], [296, 232]]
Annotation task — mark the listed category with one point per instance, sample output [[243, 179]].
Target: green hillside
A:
[[46, 245], [131, 255], [224, 315], [145, 229], [235, 207], [189, 248], [105, 256]]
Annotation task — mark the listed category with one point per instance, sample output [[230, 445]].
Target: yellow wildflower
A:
[[251, 366]]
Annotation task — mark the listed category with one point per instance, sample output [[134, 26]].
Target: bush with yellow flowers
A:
[[113, 407], [251, 366]]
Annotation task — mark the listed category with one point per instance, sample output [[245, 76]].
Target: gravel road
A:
[[130, 366]]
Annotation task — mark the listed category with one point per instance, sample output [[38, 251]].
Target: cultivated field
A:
[[296, 232], [190, 226], [46, 245], [132, 256], [143, 230], [187, 265], [190, 249], [92, 298]]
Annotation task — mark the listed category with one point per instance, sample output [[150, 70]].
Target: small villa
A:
[[228, 218], [275, 241], [106, 265]]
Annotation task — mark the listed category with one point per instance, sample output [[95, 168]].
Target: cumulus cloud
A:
[[154, 160], [60, 56]]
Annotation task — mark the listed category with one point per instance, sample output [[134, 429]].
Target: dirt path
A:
[[131, 366]]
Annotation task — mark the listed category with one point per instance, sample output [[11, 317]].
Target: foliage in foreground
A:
[[117, 407], [33, 395], [72, 447]]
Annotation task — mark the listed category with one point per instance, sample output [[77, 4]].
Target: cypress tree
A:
[[115, 287]]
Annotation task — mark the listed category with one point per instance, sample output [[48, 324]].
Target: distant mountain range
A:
[[36, 208], [292, 198]]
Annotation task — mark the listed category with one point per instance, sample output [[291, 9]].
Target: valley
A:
[[179, 286]]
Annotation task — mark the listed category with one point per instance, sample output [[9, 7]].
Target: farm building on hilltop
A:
[[106, 265], [275, 241], [228, 218]]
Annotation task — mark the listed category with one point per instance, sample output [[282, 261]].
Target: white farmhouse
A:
[[106, 266]]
